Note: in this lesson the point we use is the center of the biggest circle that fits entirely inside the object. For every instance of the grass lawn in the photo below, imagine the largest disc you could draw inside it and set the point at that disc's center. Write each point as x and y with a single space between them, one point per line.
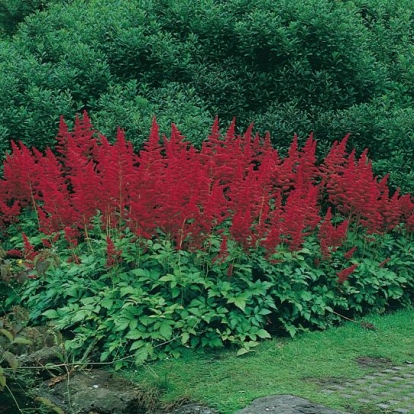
284 366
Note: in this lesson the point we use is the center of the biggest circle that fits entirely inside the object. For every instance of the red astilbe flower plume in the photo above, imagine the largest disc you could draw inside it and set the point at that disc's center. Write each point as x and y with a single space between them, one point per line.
29 252
352 188
384 262
286 173
300 216
221 156
148 185
348 255
299 167
117 169
56 211
308 160
71 236
82 142
336 162
390 210
185 187
21 177
223 251
8 214
113 255
86 192
407 212
244 167
344 274
331 237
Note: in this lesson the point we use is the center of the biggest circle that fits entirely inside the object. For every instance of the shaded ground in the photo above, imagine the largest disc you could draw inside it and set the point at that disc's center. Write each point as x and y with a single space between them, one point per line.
390 389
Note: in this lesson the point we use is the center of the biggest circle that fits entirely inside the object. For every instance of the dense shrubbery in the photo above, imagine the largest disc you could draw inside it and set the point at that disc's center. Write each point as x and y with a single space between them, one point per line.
322 66
225 244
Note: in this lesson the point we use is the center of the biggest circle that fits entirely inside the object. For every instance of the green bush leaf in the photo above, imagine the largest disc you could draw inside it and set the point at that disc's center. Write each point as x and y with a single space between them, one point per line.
51 314
166 330
261 333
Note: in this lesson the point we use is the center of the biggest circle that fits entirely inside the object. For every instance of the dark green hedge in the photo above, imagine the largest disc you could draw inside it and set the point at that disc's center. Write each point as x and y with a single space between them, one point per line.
326 66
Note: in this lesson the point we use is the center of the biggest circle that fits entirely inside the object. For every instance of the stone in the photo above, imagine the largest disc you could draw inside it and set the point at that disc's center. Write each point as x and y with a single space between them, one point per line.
192 408
97 391
41 357
285 404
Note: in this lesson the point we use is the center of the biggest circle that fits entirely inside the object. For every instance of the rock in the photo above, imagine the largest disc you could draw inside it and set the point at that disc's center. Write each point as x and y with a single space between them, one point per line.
96 392
41 357
192 408
285 404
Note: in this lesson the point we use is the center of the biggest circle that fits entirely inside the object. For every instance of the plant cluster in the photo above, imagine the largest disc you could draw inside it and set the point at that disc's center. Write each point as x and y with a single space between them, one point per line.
17 339
175 246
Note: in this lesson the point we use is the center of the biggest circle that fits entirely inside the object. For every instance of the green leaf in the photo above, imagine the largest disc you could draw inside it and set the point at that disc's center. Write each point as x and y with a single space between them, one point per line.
137 345
22 341
2 379
168 278
261 333
140 272
107 303
127 290
306 296
88 301
118 365
185 337
243 351
11 360
166 330
7 334
134 334
51 314
264 312
81 315
141 356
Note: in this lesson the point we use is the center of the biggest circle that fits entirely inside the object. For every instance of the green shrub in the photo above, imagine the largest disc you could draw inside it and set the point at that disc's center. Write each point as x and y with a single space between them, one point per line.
13 12
134 106
322 66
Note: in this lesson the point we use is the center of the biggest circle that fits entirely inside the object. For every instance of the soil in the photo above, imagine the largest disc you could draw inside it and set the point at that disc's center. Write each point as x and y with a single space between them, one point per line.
373 362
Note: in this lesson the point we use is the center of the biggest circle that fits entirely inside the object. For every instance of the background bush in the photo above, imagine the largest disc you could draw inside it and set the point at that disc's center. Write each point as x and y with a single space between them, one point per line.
331 67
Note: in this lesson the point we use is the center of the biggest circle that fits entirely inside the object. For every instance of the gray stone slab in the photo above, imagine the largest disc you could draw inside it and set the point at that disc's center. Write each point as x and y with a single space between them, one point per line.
385 406
285 404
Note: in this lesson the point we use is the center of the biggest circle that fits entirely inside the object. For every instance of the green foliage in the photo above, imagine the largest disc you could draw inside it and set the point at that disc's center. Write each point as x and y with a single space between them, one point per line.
133 106
13 12
331 67
17 338
157 301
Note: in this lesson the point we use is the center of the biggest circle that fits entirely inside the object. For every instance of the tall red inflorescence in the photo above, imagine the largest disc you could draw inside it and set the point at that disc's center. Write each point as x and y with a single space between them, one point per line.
235 184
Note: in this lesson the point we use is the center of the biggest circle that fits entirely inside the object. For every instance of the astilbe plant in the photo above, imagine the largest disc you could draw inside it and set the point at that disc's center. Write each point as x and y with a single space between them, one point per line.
237 184
224 243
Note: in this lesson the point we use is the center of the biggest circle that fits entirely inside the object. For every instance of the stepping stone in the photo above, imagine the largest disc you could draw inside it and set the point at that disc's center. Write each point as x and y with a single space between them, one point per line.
285 404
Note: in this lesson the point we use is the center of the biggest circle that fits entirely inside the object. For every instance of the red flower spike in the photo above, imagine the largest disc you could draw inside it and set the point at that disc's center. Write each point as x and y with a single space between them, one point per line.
29 252
384 262
348 255
14 253
344 274
113 256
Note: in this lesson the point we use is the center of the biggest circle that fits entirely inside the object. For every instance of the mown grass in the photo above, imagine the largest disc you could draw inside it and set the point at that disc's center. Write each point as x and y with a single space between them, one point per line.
283 366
